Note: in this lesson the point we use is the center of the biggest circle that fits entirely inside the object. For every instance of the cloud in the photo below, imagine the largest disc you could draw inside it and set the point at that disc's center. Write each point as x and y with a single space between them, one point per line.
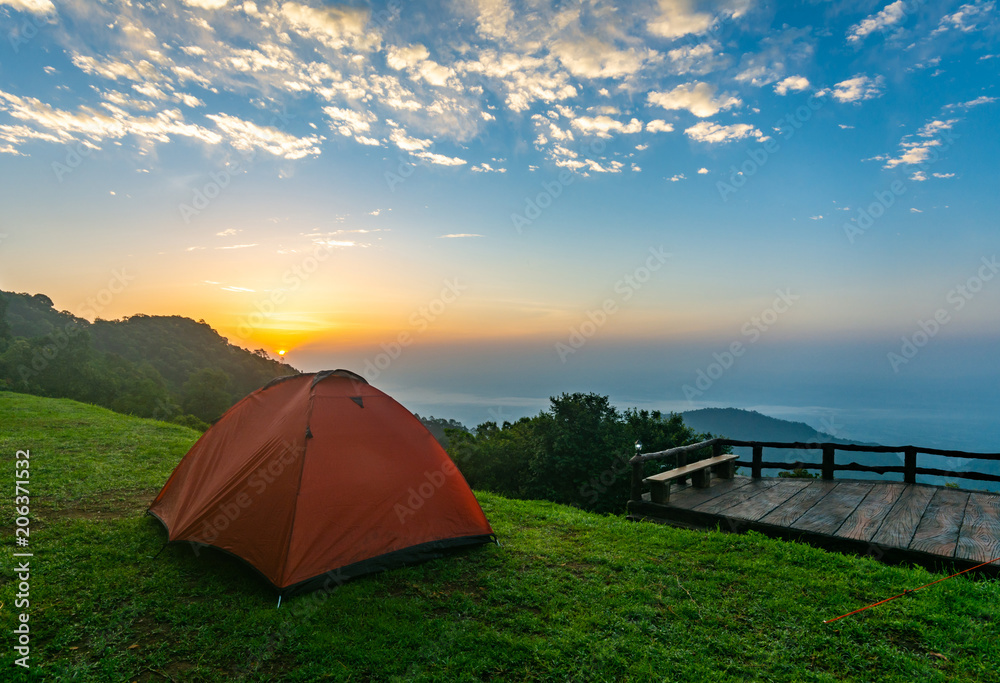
932 128
246 136
458 235
676 18
707 131
943 175
440 159
967 18
697 98
604 126
859 88
591 57
335 27
227 233
983 99
676 178
659 126
206 4
816 218
702 171
889 16
39 7
796 83
696 59
487 168
913 210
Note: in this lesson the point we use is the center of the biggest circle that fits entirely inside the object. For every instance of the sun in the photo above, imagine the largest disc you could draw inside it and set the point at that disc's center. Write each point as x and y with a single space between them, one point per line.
281 352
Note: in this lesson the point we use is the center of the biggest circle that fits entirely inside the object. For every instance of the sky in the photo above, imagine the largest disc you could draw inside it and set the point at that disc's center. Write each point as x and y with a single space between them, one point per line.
481 204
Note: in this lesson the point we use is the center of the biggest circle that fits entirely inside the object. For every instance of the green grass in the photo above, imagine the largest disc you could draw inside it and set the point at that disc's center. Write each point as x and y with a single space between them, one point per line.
569 595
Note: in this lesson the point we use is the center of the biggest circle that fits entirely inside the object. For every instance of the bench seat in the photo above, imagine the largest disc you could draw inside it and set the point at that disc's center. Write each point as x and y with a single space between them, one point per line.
659 484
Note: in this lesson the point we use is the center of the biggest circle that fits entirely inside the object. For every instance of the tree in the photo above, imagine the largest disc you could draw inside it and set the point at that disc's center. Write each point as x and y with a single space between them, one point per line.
576 453
205 395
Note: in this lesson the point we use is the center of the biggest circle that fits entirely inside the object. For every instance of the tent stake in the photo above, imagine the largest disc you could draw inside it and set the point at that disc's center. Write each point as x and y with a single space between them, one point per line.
279 601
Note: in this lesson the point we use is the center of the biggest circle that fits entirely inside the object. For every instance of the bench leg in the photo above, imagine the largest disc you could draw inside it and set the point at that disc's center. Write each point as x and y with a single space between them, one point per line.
726 470
700 478
659 492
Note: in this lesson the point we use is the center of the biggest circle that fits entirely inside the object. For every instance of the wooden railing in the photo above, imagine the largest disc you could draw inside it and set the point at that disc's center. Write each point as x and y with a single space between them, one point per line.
827 467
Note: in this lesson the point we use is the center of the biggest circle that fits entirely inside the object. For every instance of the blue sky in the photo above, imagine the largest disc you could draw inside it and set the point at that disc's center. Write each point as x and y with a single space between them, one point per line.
488 178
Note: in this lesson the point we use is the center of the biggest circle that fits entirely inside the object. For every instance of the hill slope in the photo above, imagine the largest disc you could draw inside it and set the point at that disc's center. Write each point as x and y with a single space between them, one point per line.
152 366
569 596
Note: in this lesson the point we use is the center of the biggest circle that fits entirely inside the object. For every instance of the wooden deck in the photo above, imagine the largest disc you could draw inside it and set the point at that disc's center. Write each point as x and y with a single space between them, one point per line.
894 522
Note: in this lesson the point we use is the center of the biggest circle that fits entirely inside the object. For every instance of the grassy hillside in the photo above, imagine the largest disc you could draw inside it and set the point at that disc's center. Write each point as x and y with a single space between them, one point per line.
569 596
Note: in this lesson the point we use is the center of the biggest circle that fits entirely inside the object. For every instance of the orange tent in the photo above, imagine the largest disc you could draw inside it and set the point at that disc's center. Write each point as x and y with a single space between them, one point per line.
317 478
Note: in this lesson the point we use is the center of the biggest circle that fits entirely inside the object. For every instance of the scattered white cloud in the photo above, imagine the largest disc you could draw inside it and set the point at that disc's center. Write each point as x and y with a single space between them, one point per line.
206 4
707 131
39 7
968 18
247 136
702 171
859 88
844 126
658 126
816 218
919 176
914 210
239 246
983 99
604 126
487 168
458 235
676 178
943 175
890 15
677 18
697 98
792 83
227 233
440 159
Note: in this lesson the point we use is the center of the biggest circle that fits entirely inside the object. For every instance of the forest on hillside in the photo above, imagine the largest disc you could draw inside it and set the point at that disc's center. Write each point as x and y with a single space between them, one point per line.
166 367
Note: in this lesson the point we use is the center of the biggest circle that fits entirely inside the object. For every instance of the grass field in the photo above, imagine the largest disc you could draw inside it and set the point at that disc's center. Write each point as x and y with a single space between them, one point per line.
568 596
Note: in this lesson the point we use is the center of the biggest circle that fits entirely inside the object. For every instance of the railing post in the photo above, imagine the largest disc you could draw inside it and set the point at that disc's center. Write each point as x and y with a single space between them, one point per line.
636 494
716 449
910 465
758 458
828 456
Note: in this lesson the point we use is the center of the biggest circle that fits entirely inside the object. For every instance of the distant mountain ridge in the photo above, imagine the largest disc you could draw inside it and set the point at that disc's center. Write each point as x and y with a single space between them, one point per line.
749 425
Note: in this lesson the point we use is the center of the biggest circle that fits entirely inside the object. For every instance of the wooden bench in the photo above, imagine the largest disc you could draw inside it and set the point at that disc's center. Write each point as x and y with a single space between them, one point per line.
700 472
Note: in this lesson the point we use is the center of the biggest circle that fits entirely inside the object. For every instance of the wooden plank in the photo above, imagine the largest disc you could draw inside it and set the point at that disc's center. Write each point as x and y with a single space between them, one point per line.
740 495
690 497
864 522
799 504
979 539
901 523
688 469
829 514
939 527
760 505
